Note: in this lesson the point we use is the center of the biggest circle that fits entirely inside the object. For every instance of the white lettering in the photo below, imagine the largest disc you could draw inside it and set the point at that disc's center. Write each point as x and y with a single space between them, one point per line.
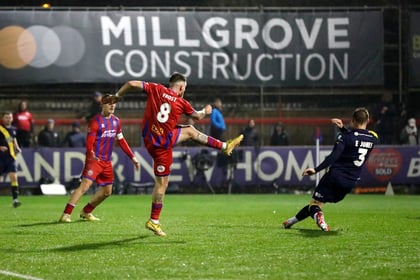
200 62
270 156
146 164
248 67
334 33
169 97
182 35
44 165
237 67
222 34
343 68
164 66
122 28
241 35
293 167
109 133
267 31
414 168
246 165
247 32
23 170
69 160
141 27
283 58
220 63
258 67
130 63
309 65
309 38
108 63
157 35
364 144
177 59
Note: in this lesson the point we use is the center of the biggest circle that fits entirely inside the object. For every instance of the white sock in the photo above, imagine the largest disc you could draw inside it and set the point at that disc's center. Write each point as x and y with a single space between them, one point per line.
293 220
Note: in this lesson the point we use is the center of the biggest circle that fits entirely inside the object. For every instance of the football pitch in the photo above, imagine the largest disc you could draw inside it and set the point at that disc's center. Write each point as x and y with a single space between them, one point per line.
212 237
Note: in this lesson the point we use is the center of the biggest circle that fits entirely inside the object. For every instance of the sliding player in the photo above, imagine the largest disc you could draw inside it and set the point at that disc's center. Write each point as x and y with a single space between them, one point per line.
351 150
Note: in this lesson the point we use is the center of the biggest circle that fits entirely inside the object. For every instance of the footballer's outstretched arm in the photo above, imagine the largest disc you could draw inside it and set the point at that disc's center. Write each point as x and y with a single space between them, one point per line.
338 122
198 115
340 125
130 85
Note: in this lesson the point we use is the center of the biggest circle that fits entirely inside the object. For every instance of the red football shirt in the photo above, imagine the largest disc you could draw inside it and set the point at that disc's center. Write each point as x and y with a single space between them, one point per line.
104 130
163 111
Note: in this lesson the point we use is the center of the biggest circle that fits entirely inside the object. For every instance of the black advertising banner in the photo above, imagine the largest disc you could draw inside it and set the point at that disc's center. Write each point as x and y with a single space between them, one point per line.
280 49
414 50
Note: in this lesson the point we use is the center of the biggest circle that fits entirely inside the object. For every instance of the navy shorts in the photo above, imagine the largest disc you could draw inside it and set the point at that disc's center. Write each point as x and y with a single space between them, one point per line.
7 165
333 188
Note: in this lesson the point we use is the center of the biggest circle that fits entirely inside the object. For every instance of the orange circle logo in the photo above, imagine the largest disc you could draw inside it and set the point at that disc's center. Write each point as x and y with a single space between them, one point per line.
40 46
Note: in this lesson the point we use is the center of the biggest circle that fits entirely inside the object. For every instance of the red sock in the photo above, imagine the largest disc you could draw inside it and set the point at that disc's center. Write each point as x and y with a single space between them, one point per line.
155 212
69 208
88 208
214 143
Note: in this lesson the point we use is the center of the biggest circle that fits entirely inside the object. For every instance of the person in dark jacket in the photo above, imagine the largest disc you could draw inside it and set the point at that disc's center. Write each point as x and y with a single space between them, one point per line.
49 137
74 138
251 136
279 137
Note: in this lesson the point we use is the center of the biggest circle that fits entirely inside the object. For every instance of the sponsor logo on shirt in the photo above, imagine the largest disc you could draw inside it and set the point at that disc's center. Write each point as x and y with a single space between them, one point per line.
109 133
157 130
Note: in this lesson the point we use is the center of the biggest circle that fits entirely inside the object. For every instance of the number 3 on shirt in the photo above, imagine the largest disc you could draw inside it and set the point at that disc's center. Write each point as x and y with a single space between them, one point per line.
362 157
163 115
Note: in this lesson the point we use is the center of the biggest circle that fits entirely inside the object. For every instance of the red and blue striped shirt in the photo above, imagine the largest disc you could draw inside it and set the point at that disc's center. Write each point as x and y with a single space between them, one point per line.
103 132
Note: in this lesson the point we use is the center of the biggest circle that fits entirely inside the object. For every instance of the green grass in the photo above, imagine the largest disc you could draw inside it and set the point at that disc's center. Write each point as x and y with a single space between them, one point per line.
213 237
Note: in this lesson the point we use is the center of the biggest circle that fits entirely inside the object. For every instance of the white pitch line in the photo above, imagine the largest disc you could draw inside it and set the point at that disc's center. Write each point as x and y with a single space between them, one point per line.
27 277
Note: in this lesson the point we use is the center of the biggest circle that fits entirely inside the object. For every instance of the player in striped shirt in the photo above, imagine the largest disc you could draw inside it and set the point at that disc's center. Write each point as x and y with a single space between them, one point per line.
160 131
103 129
350 152
9 148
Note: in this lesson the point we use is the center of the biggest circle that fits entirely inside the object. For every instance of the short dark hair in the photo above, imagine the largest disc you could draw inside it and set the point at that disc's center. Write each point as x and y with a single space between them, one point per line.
176 77
109 99
360 115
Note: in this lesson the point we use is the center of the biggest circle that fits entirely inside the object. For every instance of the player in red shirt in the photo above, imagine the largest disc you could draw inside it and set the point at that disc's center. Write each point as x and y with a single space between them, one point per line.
103 129
165 106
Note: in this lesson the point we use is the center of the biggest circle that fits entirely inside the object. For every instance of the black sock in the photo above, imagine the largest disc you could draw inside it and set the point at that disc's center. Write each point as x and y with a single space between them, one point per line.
313 209
303 213
15 192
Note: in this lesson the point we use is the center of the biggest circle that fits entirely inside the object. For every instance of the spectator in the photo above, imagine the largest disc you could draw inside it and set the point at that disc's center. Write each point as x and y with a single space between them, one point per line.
279 136
384 116
48 137
95 106
409 134
24 123
251 136
74 138
217 121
